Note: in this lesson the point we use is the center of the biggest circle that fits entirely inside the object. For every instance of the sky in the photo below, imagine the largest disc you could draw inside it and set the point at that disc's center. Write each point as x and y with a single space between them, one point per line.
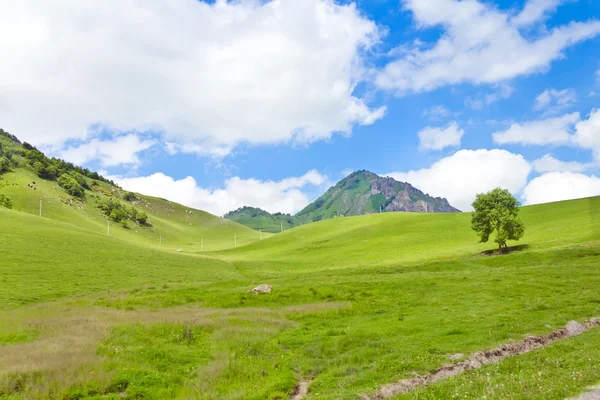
221 104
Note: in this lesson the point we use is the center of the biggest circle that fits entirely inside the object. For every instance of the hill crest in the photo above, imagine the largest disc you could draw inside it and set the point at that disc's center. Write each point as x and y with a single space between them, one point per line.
361 192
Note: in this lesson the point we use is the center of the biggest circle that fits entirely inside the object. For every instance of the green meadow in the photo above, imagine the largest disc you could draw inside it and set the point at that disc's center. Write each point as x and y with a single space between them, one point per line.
357 302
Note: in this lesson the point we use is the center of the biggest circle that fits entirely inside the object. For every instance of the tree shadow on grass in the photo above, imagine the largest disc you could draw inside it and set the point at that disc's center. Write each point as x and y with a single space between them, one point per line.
508 250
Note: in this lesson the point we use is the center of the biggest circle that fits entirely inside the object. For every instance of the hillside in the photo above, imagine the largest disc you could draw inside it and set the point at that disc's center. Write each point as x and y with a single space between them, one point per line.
258 219
357 303
360 193
364 192
88 200
397 238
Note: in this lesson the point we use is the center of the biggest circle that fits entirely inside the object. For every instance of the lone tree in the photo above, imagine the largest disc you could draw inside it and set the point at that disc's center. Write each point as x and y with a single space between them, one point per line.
498 211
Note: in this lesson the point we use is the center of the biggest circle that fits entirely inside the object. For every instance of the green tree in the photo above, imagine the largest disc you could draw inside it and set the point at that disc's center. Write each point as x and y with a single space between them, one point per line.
497 211
69 183
80 179
117 214
5 201
141 217
4 164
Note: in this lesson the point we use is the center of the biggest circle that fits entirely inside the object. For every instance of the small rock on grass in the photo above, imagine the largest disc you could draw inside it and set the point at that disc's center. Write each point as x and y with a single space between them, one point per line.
262 289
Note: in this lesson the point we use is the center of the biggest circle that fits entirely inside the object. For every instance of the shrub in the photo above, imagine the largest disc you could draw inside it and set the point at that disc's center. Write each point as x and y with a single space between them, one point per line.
5 201
119 212
130 196
80 179
69 183
4 164
141 218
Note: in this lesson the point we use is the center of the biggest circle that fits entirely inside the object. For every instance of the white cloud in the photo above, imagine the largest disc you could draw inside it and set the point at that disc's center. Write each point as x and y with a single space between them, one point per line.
587 133
553 101
557 186
481 44
210 76
551 131
535 10
466 173
550 164
432 138
110 152
478 102
286 195
566 130
436 112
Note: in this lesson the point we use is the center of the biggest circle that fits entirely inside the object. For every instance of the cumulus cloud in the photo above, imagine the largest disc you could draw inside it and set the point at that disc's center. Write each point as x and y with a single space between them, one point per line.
553 101
587 133
480 44
558 186
432 138
568 129
548 163
467 172
207 76
551 131
110 152
535 10
286 195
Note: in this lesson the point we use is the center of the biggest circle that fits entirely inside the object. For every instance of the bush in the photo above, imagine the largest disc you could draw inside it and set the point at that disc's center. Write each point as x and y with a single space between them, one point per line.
5 201
69 183
141 218
80 179
130 196
119 212
4 164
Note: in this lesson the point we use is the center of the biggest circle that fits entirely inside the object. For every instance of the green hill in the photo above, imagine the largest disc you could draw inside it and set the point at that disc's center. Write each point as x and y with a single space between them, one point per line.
393 238
360 193
258 219
31 177
363 192
357 302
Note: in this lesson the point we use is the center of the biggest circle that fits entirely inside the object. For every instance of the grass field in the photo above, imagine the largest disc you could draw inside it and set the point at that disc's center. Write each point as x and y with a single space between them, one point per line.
357 303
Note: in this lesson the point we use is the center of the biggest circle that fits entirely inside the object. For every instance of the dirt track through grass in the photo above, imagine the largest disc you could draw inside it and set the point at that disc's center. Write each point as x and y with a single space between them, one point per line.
486 357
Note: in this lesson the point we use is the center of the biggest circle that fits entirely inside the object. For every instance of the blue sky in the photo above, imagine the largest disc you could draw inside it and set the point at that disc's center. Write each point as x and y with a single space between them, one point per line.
222 104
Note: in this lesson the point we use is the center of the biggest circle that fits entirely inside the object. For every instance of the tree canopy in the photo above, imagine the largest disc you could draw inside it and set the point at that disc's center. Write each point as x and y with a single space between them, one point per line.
497 211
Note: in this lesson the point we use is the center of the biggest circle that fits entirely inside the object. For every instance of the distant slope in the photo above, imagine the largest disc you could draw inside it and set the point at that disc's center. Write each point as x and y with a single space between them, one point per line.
180 227
396 238
258 219
364 192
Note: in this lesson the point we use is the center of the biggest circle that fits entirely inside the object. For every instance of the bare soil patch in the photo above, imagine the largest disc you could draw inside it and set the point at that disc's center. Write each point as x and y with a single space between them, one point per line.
300 391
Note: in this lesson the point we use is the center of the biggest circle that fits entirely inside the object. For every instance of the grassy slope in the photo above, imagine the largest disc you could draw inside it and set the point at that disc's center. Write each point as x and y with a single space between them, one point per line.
264 221
381 319
392 238
182 227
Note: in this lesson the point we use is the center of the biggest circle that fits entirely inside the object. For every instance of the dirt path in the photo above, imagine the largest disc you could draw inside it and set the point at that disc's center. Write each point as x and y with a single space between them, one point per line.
481 358
301 390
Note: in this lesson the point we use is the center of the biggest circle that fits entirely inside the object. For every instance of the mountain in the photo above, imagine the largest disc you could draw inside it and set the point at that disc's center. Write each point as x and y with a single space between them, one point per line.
361 192
364 192
258 219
